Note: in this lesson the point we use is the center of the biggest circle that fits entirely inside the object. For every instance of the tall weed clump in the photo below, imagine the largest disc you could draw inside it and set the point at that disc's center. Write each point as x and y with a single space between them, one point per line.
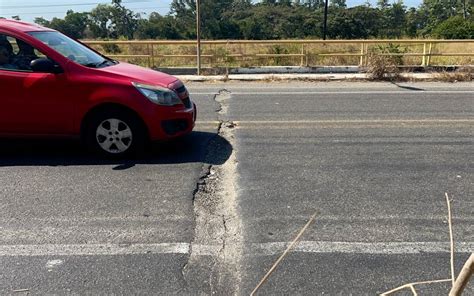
383 62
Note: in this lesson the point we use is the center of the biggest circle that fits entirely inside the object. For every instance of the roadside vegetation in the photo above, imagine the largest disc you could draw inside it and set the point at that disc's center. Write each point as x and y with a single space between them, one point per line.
272 19
257 55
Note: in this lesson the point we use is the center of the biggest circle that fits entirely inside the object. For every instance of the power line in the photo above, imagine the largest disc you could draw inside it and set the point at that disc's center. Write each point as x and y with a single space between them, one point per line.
48 12
69 4
54 13
64 12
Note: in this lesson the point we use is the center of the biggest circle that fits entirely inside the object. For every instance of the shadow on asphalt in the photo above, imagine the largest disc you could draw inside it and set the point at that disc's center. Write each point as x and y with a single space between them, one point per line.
201 147
408 87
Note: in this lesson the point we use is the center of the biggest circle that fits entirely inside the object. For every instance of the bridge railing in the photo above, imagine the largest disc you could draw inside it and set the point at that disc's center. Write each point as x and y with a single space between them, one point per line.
255 53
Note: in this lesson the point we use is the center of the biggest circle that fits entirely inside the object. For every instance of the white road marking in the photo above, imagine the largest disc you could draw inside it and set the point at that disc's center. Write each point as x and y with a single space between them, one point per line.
263 249
53 263
375 123
93 249
381 92
357 121
346 121
380 248
205 250
213 123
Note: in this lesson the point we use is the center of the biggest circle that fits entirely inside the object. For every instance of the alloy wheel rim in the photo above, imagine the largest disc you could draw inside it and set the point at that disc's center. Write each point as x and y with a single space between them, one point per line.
114 136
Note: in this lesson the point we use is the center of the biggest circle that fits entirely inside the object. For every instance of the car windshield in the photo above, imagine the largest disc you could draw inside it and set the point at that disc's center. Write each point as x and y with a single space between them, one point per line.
72 49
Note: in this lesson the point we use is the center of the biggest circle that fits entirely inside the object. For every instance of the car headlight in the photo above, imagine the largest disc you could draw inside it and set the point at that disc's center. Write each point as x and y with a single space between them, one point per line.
158 95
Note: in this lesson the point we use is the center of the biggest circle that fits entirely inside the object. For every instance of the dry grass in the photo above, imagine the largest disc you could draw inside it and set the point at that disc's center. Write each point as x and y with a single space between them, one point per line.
246 55
461 74
382 67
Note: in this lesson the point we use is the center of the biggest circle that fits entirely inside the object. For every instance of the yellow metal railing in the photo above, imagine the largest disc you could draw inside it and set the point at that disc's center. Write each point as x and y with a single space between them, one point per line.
225 53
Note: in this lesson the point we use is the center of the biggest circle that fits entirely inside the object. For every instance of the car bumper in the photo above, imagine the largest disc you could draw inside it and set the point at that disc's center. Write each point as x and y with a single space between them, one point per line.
173 124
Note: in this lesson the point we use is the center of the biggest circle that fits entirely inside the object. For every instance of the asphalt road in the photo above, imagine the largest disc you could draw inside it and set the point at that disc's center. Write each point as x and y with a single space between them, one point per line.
211 213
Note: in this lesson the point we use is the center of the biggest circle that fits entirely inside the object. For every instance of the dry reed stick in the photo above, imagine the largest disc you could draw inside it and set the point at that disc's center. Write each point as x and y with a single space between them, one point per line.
451 239
413 284
463 277
267 275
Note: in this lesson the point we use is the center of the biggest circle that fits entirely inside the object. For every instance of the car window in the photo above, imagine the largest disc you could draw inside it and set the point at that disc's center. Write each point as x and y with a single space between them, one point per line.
16 55
6 53
13 43
72 49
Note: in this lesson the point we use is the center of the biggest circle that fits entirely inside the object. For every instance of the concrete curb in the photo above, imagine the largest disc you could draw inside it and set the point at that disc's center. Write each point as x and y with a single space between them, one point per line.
265 70
315 77
297 70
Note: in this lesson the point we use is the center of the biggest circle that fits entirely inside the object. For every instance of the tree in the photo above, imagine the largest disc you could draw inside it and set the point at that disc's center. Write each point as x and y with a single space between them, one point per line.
113 21
42 22
396 16
215 22
313 4
339 3
356 22
73 25
415 21
77 23
125 20
383 4
158 27
436 11
455 27
101 22
270 19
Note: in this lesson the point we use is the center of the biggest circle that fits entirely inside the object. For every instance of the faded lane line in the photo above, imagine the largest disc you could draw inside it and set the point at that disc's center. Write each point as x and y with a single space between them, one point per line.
381 248
208 122
355 121
344 121
263 249
417 92
41 222
378 123
206 125
347 124
93 249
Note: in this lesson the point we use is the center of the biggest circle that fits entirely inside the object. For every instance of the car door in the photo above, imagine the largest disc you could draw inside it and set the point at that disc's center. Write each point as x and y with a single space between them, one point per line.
33 103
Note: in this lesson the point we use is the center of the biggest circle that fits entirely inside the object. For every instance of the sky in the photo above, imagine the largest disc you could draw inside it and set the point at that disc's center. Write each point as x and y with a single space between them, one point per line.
29 9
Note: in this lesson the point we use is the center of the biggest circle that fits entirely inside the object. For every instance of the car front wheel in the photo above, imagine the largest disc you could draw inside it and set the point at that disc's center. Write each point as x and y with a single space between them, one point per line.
115 134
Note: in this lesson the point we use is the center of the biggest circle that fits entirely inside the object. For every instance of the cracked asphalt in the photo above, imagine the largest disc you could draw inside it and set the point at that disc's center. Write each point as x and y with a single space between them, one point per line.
209 214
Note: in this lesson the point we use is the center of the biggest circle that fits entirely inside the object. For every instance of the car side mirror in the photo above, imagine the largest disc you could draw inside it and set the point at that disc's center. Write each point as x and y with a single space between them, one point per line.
45 66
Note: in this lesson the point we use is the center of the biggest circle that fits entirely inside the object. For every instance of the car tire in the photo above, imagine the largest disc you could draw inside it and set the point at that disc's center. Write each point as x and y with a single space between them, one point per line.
115 133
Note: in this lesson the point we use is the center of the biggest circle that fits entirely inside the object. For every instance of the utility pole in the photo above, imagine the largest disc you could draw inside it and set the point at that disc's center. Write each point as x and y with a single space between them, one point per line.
198 36
325 25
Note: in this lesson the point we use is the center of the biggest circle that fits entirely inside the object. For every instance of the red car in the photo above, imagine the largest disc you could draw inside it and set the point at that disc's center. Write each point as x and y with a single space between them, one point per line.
54 86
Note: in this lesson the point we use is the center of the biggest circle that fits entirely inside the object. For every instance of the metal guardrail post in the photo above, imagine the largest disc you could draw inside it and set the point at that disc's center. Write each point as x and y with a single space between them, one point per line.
149 58
152 53
428 61
423 62
366 54
302 55
228 54
361 62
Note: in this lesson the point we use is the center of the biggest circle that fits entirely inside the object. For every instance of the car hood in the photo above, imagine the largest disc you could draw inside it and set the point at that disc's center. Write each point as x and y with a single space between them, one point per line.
140 74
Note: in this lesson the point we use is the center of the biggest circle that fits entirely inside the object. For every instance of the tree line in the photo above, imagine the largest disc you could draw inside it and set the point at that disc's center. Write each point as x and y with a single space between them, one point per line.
272 19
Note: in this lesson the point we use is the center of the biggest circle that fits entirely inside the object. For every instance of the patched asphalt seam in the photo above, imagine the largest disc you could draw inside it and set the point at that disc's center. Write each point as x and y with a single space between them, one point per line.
216 217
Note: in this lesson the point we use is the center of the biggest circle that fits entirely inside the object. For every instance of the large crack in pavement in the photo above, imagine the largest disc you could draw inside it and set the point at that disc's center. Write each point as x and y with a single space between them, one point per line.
213 267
